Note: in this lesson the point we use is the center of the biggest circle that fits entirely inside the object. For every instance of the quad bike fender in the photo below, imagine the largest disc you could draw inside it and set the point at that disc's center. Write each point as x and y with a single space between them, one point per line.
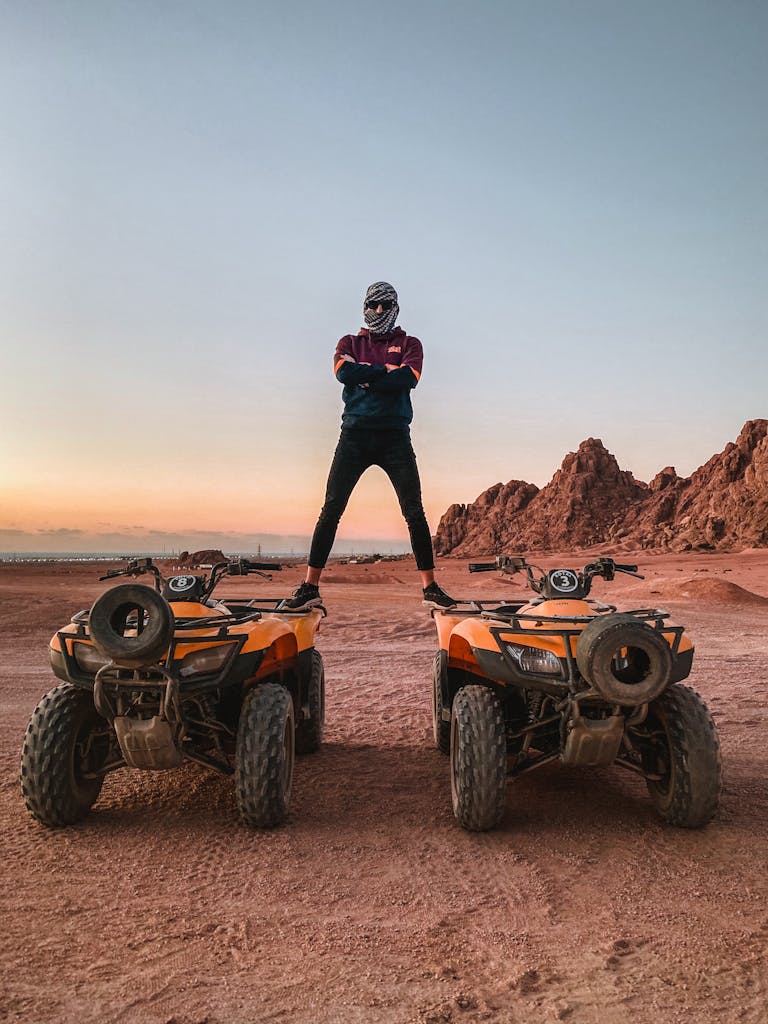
684 645
270 629
469 640
255 636
61 655
304 627
259 635
445 623
57 652
277 641
54 645
682 660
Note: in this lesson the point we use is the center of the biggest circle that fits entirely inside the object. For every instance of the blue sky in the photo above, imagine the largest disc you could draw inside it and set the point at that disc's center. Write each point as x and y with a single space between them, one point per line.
569 197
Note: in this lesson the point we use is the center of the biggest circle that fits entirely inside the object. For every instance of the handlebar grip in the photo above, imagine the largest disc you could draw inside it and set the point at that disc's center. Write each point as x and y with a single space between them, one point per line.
482 566
625 568
262 566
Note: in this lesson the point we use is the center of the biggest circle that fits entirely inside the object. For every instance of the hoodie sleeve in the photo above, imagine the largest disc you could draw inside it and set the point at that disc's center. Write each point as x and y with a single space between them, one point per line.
408 374
353 373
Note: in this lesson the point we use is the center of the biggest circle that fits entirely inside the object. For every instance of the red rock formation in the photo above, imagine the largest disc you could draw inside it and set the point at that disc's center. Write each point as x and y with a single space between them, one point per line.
210 556
582 503
590 500
722 506
482 526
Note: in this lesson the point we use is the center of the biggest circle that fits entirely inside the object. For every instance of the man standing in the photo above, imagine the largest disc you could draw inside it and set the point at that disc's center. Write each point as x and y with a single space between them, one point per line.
378 367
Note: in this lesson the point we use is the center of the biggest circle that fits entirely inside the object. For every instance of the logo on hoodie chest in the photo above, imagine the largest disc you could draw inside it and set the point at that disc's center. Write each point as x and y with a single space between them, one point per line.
394 348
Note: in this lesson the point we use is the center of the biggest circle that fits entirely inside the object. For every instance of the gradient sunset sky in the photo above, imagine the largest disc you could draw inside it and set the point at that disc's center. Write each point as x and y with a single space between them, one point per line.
570 197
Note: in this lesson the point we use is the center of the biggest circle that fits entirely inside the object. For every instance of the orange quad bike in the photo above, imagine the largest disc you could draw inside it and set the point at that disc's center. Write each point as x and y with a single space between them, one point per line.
156 676
518 684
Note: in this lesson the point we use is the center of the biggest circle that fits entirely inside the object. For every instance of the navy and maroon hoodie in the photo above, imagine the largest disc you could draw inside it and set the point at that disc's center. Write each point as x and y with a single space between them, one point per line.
374 397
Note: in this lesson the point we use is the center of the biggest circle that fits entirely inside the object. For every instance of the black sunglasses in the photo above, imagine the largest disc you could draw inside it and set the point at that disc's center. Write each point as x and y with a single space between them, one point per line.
386 304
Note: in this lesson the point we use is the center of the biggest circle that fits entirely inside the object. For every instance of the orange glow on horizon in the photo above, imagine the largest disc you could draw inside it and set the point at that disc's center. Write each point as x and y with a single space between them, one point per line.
372 512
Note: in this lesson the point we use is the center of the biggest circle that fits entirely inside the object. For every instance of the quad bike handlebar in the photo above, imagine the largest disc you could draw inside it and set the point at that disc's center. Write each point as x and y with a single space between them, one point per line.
557 583
242 566
236 567
508 564
136 567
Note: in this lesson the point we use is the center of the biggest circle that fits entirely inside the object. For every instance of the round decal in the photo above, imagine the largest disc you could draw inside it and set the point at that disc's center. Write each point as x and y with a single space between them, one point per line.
564 580
178 583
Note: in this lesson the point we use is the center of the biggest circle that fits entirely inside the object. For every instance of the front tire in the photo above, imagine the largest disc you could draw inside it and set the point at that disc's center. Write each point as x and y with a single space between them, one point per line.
264 756
60 748
440 730
687 755
478 758
309 731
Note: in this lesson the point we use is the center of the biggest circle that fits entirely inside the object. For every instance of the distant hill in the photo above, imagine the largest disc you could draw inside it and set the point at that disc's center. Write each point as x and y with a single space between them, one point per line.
590 500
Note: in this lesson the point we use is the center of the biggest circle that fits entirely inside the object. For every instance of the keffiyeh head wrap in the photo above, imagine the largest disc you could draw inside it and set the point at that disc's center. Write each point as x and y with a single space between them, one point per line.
380 323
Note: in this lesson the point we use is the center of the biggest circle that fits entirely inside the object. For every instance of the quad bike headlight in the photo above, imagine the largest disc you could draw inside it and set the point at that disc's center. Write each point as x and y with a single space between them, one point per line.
207 661
532 659
88 658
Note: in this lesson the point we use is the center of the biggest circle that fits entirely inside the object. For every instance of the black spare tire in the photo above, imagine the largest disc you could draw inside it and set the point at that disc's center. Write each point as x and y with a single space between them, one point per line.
131 624
627 661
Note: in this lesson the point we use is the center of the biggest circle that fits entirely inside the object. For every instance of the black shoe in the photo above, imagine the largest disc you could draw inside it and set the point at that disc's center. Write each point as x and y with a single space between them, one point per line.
305 596
435 596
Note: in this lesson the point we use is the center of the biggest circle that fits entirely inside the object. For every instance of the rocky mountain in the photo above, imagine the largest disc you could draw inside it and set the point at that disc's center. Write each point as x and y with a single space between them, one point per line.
591 500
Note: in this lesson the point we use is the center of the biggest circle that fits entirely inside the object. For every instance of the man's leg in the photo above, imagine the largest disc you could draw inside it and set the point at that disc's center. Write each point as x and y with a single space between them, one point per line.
398 460
349 463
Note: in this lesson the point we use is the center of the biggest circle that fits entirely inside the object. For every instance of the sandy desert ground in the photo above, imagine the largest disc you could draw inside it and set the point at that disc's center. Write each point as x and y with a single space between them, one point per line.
371 904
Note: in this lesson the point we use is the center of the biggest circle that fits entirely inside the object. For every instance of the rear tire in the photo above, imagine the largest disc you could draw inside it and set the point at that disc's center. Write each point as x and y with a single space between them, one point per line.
478 758
309 731
57 752
264 756
440 730
689 794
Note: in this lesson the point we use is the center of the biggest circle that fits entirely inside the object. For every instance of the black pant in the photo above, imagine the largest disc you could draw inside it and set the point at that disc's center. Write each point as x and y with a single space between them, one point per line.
359 448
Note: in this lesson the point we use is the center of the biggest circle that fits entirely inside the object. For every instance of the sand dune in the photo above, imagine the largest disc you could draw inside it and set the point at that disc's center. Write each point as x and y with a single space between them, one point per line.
712 591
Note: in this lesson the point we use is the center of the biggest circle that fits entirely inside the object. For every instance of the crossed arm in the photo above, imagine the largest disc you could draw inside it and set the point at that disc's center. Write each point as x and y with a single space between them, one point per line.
383 378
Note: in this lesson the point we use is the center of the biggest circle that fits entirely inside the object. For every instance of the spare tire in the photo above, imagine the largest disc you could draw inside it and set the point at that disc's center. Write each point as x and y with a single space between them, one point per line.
627 661
131 609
